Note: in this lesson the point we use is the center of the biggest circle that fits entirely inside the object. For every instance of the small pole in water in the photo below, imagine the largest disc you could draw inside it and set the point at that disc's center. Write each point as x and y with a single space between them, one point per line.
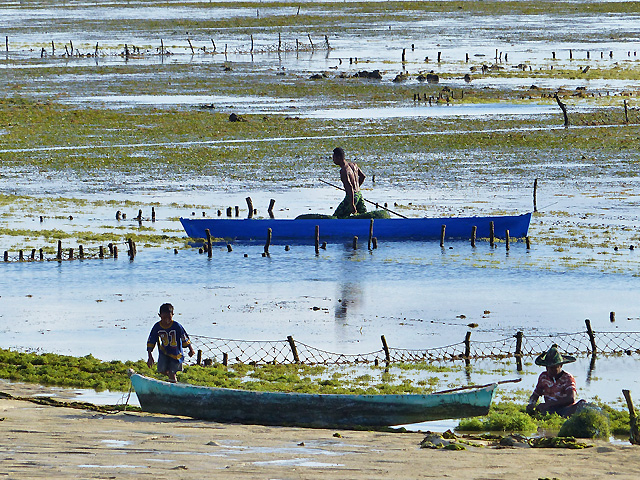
317 239
374 242
237 208
71 254
612 317
115 251
6 256
294 350
474 231
100 252
385 347
272 202
506 239
20 256
370 234
592 337
442 233
518 353
33 254
492 236
229 212
80 251
41 252
153 214
59 254
132 252
249 206
355 242
208 233
229 247
535 195
528 240
268 242
467 348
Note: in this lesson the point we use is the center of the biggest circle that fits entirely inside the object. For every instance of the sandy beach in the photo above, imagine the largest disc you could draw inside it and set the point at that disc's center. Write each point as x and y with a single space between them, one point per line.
59 442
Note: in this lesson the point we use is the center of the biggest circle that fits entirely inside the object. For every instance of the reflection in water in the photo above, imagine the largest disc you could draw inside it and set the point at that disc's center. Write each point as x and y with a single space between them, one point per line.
350 297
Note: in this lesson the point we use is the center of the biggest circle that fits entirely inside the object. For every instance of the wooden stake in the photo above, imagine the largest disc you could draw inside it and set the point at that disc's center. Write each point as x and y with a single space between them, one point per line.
237 208
115 251
153 214
592 337
506 239
535 195
208 233
474 231
225 359
370 234
80 251
101 252
59 254
563 107
442 233
492 236
634 434
355 242
294 350
528 240
20 256
612 317
249 206
268 242
385 347
317 239
270 209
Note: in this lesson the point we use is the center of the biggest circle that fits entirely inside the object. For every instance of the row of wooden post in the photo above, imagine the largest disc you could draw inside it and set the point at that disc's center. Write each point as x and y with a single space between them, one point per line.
71 253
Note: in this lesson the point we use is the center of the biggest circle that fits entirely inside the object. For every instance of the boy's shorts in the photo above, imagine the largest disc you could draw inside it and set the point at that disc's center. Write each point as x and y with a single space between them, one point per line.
168 364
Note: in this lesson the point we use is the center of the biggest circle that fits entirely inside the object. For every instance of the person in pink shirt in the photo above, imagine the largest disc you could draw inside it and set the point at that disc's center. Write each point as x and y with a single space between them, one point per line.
556 386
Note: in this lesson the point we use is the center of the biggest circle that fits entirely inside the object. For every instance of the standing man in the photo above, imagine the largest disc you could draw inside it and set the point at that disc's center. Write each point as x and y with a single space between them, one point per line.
352 177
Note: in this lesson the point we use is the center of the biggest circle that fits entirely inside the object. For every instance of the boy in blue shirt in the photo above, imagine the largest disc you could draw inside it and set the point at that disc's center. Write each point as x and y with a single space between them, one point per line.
171 337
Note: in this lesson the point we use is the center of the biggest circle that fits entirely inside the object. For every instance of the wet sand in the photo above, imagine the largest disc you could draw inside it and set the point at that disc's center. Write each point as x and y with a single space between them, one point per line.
58 442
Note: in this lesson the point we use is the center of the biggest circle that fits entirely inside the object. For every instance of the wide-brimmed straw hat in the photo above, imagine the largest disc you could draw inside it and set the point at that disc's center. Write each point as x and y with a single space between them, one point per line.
553 357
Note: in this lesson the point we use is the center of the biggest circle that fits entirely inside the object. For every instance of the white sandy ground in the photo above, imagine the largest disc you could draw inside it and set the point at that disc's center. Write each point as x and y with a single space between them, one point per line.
58 442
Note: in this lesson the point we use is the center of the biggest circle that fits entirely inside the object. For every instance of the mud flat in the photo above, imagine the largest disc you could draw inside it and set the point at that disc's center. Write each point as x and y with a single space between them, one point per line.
56 442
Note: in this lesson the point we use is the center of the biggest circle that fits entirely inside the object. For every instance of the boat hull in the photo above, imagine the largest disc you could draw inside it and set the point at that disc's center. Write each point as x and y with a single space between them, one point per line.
302 231
307 410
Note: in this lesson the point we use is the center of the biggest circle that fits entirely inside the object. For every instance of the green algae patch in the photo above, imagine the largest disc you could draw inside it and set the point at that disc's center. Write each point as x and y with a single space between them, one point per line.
509 417
67 371
587 423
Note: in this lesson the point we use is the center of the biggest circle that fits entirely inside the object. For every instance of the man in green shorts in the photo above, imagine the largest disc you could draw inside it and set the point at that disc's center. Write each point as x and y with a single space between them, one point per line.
352 177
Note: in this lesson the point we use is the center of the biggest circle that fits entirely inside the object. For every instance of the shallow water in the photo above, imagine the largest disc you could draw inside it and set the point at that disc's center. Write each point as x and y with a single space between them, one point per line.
413 293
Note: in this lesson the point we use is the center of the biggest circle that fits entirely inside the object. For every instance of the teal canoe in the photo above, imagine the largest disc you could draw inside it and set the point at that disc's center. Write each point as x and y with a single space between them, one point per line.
307 410
302 230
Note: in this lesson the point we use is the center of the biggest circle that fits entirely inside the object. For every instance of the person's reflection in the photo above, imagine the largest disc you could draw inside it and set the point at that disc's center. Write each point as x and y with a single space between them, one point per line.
350 297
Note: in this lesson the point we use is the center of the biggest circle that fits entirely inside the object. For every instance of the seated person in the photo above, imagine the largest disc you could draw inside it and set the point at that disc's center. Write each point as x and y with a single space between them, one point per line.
557 386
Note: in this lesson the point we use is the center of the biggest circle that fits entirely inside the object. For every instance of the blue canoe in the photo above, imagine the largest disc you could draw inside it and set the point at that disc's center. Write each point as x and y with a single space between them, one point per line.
307 410
302 231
